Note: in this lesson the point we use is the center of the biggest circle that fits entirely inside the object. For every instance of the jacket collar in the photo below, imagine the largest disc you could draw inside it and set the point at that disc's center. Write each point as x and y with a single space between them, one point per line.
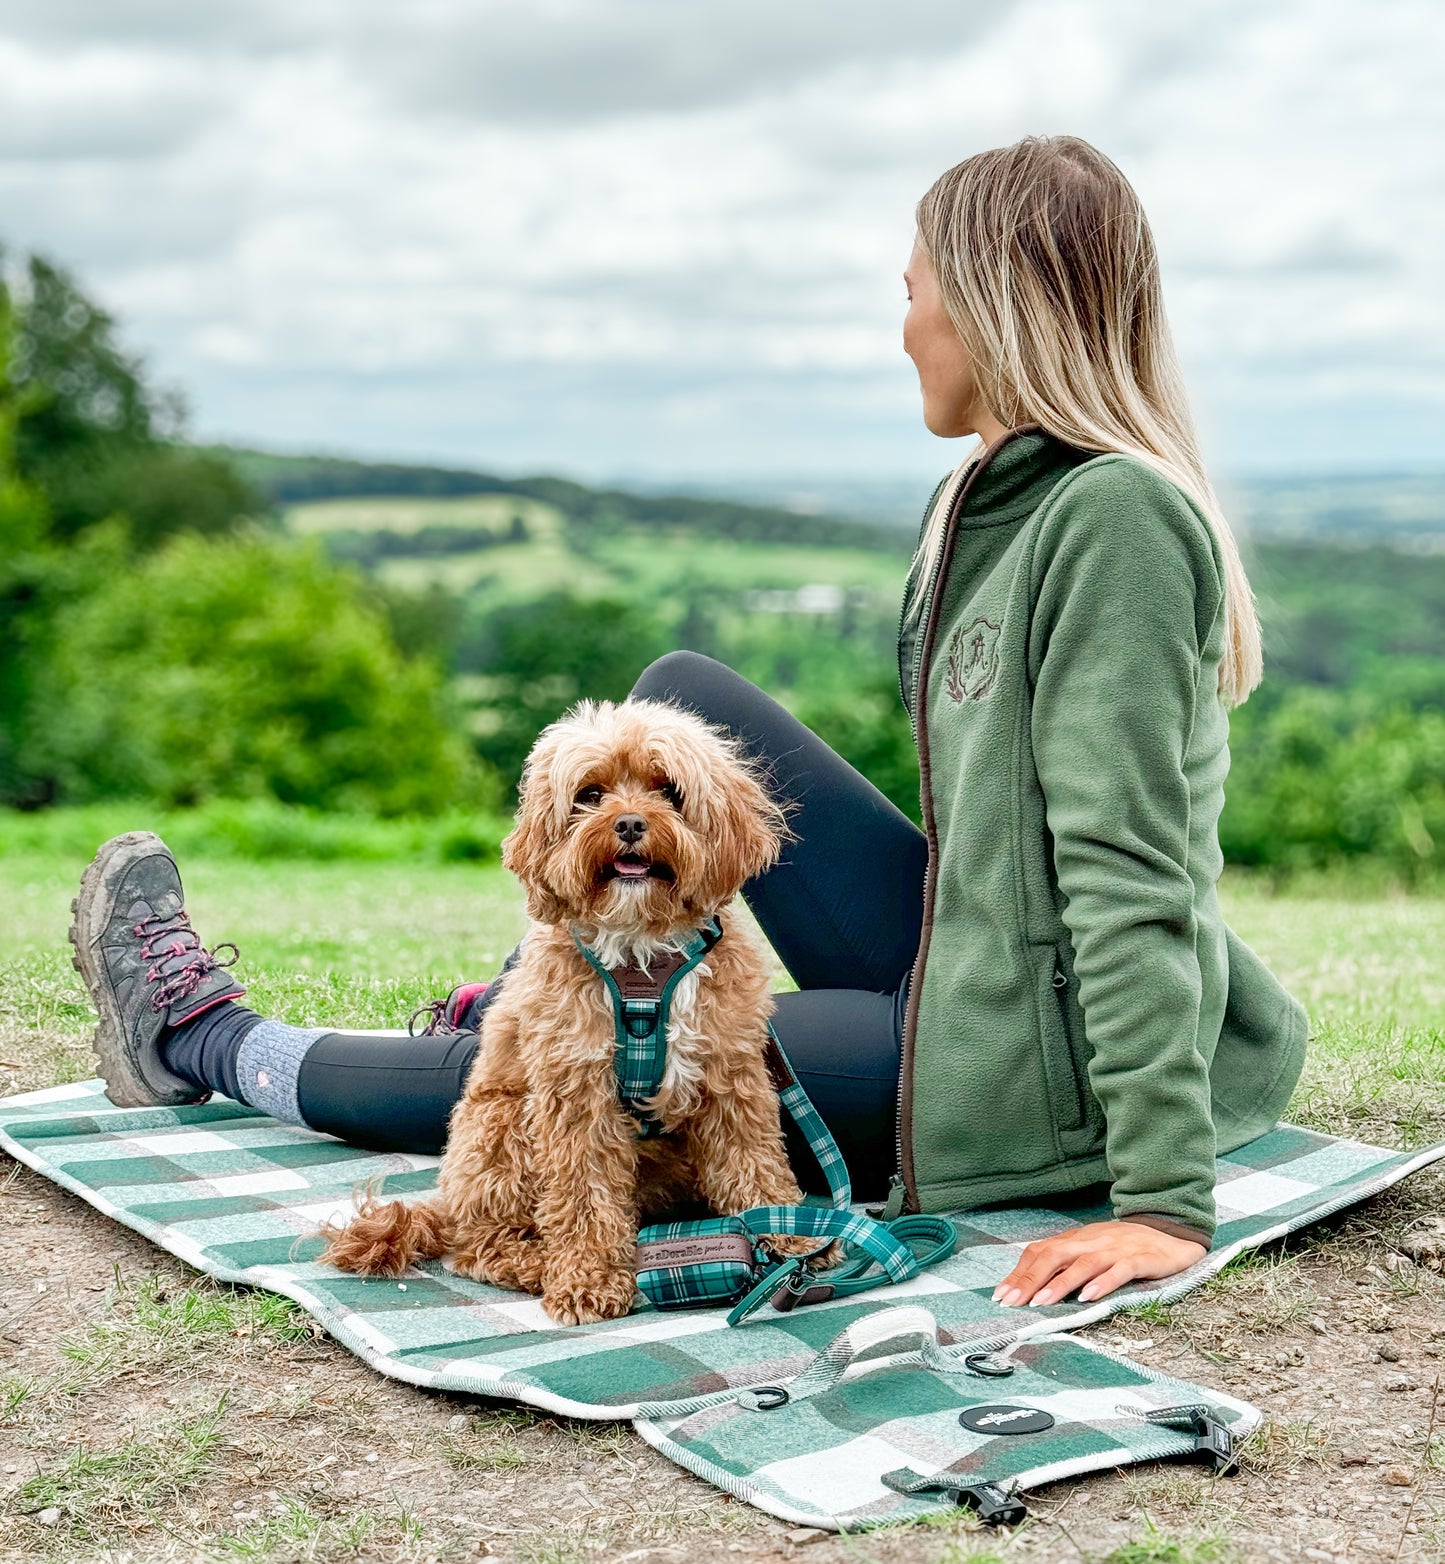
1015 473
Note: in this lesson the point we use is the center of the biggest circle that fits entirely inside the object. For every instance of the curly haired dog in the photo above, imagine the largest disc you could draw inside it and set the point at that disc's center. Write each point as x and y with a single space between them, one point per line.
638 823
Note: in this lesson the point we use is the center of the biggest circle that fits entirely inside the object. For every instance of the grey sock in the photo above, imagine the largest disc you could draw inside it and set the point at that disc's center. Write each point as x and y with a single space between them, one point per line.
268 1067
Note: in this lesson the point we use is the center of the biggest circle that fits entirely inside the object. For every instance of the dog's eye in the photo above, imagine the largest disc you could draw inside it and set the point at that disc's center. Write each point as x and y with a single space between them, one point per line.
587 797
671 792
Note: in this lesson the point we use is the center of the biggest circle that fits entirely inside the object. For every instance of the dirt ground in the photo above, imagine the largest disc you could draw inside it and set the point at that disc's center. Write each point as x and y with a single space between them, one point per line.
149 1414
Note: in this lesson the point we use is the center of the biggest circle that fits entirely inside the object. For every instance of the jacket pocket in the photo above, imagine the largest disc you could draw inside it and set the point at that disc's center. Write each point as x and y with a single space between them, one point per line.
1061 1057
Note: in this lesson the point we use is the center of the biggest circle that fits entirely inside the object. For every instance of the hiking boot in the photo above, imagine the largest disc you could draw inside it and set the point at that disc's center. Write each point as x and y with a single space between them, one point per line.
144 965
460 1011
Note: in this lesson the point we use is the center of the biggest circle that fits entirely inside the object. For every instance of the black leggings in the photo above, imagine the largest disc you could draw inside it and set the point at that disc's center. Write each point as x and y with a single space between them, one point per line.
843 909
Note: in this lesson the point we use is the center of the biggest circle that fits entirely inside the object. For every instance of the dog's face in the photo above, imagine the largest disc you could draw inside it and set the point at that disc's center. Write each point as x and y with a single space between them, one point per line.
637 817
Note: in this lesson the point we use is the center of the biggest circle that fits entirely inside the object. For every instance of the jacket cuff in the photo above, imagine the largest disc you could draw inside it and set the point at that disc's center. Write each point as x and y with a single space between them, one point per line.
1167 1224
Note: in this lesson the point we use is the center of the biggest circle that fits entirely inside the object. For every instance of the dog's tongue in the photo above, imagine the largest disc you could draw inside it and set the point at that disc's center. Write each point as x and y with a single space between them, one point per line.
629 868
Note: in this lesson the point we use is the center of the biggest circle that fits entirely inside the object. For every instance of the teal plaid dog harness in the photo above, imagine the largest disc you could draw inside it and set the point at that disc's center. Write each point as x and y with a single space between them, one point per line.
641 1003
688 1265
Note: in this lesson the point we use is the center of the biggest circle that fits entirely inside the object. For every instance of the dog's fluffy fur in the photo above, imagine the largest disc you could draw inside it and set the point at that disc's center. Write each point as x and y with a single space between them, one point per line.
544 1179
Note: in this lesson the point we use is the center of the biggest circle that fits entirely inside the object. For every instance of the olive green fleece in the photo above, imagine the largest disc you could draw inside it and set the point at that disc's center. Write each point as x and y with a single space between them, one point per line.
1080 1012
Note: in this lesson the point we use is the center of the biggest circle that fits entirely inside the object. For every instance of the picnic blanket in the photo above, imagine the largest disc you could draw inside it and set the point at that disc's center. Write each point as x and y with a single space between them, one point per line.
241 1196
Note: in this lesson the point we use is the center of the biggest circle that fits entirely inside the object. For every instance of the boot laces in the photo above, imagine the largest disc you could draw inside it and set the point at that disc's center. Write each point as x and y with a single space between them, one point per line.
436 1010
176 961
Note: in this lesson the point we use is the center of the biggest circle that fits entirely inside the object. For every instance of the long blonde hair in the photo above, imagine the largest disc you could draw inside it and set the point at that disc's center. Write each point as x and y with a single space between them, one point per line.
1049 275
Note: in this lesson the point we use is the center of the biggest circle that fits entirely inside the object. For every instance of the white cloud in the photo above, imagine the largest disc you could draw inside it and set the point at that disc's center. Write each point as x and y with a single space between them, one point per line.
636 236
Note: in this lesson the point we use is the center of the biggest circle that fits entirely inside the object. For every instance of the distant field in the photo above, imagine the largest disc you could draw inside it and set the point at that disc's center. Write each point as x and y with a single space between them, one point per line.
404 514
612 563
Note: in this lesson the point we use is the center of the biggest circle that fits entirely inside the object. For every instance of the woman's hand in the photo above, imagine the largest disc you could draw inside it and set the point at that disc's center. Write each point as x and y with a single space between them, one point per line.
1095 1258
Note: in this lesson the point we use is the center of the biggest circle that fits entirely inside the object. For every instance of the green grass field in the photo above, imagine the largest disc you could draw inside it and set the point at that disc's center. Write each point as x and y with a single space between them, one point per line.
364 944
627 563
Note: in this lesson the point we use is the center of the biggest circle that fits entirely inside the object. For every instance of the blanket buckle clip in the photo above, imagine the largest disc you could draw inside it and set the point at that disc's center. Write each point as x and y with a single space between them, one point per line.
993 1505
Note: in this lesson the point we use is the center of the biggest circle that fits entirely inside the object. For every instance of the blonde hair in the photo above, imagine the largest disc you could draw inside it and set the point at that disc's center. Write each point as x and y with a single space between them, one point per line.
1048 272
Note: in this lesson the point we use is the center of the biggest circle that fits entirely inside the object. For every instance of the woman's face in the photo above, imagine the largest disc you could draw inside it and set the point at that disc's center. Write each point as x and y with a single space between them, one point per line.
945 372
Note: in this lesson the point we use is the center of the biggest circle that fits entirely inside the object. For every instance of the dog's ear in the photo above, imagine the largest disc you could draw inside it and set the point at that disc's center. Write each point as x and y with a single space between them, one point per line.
537 831
749 829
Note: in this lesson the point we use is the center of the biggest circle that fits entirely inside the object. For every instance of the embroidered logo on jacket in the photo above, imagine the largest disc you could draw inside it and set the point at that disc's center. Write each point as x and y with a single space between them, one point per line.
973 661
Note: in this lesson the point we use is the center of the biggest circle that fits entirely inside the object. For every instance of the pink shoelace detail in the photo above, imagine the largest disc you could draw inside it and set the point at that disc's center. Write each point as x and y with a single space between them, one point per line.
182 981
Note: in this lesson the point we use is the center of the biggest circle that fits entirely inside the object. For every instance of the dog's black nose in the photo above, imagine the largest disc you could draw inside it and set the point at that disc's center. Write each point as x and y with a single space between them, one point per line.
631 828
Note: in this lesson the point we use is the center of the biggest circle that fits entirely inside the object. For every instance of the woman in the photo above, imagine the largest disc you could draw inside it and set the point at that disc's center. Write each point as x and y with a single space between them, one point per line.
1036 996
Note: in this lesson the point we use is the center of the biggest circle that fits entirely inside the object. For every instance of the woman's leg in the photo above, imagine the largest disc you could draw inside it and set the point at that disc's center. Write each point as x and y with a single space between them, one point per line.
390 1091
844 907
843 910
386 1090
844 1046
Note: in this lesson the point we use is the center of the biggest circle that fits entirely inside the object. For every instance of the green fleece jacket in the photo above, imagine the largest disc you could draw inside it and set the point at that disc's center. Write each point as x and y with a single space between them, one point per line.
1078 1011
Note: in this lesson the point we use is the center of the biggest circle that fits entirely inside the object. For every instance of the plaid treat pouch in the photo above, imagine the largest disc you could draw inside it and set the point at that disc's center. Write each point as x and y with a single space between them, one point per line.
691 1265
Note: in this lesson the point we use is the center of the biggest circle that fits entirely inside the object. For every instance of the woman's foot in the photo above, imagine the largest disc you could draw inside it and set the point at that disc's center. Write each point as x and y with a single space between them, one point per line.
144 965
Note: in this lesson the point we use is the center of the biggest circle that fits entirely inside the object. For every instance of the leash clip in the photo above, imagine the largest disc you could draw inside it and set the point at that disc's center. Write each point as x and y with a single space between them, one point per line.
800 1286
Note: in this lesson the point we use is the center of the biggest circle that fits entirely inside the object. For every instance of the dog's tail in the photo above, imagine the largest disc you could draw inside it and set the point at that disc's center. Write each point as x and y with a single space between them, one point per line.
386 1236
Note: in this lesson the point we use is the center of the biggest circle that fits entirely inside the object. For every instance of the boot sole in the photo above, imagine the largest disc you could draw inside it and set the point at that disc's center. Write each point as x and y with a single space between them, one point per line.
91 911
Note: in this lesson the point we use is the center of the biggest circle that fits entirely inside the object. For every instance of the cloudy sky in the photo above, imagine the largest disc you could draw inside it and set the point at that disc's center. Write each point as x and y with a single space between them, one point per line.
646 238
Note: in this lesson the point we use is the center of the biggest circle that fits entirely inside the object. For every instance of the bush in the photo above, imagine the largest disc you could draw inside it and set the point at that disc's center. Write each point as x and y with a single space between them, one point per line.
870 729
248 667
1321 777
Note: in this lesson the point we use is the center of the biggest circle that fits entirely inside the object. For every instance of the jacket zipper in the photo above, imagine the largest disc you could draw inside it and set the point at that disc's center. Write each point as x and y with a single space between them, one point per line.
907 599
904 1180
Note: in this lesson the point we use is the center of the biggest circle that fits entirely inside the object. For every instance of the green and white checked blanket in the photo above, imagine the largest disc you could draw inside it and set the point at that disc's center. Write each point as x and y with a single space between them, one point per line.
858 1442
242 1196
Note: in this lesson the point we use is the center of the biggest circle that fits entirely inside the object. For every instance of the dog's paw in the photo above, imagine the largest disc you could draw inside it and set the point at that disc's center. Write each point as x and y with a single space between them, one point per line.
588 1299
503 1258
519 1264
783 1248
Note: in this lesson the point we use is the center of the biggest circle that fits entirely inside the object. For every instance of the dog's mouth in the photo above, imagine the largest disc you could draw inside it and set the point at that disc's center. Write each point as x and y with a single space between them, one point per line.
636 869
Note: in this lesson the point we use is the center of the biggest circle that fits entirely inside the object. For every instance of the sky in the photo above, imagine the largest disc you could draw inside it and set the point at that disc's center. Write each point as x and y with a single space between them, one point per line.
663 241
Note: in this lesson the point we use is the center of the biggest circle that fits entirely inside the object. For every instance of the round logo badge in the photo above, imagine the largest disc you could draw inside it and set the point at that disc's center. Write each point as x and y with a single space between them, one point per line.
1006 1420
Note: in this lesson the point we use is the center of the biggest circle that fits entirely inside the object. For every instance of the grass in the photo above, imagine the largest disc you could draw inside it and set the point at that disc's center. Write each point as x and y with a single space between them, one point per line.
297 1532
130 1486
156 1325
1157 1547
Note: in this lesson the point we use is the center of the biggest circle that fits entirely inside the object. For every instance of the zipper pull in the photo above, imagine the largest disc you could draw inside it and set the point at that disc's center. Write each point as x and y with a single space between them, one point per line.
897 1194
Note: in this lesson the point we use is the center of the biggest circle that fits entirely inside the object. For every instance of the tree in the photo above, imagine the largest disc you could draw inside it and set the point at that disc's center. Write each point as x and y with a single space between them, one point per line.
248 667
94 437
539 658
26 569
